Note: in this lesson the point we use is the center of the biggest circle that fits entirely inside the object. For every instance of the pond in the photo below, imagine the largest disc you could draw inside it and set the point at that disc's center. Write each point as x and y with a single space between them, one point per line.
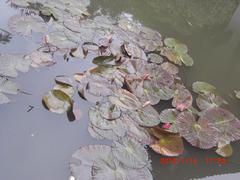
37 144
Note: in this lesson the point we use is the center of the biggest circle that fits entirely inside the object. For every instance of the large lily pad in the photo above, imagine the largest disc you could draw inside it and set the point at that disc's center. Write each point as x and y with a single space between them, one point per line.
226 123
201 133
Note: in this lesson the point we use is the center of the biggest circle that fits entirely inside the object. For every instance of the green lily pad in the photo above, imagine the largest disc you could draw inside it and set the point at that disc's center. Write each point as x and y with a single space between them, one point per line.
203 88
225 151
103 59
186 59
57 101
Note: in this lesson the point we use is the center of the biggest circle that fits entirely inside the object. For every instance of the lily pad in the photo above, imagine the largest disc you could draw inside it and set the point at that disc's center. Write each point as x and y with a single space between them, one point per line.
170 116
103 59
201 133
167 144
209 101
131 153
182 99
125 100
203 88
223 120
83 160
57 101
225 151
146 116
237 94
170 68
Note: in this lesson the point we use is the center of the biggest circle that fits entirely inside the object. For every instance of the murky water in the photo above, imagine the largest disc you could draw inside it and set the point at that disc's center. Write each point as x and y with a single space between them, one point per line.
37 145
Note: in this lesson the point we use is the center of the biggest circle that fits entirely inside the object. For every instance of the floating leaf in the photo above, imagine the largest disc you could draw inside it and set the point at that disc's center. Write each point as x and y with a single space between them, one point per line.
94 88
201 133
64 80
25 25
171 55
209 101
146 116
226 123
83 160
170 116
203 88
57 101
237 93
103 59
131 153
109 111
186 59
39 59
66 89
167 144
155 58
182 99
170 68
110 129
225 151
125 99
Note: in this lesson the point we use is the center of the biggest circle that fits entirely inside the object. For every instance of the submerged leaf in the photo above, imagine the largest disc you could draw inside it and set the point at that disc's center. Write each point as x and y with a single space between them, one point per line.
25 25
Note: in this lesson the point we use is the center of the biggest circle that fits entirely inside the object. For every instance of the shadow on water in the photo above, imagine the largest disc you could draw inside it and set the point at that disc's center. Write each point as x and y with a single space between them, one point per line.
37 145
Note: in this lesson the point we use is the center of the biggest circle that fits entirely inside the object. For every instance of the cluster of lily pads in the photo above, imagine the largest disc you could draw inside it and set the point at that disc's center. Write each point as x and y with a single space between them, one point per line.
134 70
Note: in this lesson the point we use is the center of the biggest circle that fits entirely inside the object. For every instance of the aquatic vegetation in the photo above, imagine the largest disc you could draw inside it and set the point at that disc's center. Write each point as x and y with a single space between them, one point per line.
237 93
134 69
5 36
